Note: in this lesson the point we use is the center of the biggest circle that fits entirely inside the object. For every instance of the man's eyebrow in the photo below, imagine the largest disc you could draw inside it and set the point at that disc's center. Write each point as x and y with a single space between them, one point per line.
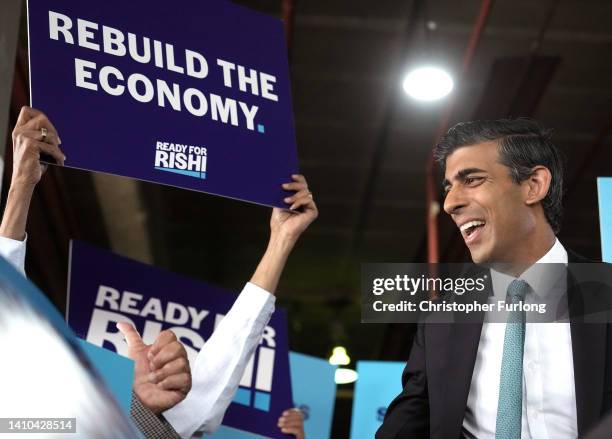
461 175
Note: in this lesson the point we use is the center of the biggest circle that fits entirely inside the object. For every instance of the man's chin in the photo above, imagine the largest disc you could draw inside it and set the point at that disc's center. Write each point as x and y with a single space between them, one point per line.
479 256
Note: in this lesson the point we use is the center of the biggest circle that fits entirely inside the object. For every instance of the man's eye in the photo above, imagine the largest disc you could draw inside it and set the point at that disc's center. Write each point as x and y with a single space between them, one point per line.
471 180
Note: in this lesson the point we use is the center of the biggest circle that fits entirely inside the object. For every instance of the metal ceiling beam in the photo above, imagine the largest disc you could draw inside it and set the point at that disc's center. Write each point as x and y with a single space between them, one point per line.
432 187
413 25
445 28
288 11
411 28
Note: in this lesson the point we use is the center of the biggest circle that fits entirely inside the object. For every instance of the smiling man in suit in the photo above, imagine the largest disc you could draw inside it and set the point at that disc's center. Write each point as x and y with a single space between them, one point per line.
503 181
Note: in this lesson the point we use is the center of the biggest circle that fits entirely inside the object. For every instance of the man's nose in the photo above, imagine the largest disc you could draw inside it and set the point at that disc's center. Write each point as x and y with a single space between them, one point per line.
454 200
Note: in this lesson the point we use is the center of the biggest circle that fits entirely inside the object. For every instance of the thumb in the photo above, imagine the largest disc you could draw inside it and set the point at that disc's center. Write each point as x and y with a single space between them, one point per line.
131 335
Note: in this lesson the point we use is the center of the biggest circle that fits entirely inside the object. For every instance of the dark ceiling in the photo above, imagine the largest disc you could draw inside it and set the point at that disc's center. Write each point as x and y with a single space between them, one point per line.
363 146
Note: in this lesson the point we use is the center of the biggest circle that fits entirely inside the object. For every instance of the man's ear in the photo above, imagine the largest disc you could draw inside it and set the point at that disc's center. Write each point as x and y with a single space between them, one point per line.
537 185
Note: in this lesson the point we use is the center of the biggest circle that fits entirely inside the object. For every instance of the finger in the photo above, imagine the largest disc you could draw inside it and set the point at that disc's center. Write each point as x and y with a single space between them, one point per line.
299 177
290 419
175 367
26 114
294 430
295 414
180 382
39 121
292 413
291 422
299 194
42 147
53 151
51 137
298 186
168 353
164 338
132 337
305 201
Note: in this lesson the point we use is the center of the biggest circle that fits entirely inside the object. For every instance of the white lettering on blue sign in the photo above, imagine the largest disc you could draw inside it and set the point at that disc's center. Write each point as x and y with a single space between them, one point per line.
112 81
113 305
182 159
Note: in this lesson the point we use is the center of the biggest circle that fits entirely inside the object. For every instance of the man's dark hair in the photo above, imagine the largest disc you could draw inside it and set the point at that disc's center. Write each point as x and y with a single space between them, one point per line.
522 145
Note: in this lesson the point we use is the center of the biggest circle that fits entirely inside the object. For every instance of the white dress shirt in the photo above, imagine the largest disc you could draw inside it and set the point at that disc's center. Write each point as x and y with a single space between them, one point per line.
14 252
219 365
549 396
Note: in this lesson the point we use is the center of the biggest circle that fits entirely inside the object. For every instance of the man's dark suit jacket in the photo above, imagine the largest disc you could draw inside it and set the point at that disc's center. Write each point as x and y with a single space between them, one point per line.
437 377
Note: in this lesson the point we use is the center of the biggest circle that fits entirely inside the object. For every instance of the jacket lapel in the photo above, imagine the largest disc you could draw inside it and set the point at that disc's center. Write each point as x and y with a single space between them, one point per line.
463 342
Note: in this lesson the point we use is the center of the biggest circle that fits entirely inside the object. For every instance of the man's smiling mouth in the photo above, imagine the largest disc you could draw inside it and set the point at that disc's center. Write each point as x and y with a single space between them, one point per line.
471 230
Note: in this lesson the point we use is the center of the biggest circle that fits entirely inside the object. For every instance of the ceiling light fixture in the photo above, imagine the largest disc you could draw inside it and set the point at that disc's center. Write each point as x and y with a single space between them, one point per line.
428 83
339 357
345 376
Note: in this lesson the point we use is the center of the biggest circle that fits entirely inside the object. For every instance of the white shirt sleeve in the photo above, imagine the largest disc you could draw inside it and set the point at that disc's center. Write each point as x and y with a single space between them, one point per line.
221 362
14 251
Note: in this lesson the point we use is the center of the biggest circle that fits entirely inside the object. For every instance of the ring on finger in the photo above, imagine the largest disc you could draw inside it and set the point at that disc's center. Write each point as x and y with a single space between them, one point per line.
43 134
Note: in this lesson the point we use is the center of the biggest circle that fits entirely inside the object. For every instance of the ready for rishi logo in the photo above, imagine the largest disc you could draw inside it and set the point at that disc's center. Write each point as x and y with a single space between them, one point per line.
182 159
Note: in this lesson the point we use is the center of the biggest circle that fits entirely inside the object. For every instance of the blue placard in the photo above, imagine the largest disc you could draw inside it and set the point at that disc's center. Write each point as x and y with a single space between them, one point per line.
116 371
604 189
314 392
45 371
232 433
105 288
195 96
378 383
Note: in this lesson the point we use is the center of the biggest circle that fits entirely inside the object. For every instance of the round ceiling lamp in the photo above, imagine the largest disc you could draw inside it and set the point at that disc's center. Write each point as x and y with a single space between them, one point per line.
345 375
428 83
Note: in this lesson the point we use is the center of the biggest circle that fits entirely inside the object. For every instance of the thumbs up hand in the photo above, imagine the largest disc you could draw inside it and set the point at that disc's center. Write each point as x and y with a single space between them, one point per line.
162 377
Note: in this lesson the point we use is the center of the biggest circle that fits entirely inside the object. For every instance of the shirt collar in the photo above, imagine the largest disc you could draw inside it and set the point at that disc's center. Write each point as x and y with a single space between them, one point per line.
556 255
539 277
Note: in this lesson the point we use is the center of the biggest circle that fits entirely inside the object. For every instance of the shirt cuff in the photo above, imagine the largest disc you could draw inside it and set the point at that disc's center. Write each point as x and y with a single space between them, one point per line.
257 298
14 251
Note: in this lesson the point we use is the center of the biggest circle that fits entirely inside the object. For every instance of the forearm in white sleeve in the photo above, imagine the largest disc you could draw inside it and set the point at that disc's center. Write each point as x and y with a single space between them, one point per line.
14 251
220 364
